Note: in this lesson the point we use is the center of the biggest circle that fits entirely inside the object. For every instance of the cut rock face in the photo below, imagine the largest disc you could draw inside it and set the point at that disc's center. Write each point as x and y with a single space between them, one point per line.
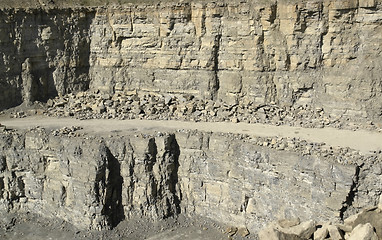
89 184
279 54
310 64
163 174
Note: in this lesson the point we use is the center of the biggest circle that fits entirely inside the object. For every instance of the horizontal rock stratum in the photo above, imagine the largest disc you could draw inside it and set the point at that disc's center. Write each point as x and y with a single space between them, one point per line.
232 72
96 173
326 54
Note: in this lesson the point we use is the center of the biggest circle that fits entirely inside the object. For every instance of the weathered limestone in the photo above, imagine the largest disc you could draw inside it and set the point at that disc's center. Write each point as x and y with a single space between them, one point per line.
309 63
265 52
321 233
41 56
133 105
96 181
364 225
363 232
29 87
82 181
303 230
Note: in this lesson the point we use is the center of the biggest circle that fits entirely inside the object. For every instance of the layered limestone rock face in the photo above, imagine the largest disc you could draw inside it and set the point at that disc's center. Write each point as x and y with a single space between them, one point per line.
44 53
96 181
321 53
325 54
230 59
88 181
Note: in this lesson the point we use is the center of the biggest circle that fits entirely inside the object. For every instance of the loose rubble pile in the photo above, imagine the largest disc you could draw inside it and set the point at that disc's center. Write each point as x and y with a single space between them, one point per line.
87 105
333 154
366 225
70 131
339 155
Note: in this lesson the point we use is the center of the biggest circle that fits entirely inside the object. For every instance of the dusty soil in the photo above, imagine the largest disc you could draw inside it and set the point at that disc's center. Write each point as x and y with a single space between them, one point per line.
361 140
33 227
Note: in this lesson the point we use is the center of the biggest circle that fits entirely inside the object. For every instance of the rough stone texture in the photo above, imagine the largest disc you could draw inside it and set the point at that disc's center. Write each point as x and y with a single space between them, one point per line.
287 53
264 52
366 226
372 217
90 182
309 63
45 53
335 233
138 105
363 232
239 181
321 233
96 182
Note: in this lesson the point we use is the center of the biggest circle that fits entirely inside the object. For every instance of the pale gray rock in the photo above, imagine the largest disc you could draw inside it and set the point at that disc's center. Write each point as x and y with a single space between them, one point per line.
304 230
218 55
321 233
286 223
363 232
335 233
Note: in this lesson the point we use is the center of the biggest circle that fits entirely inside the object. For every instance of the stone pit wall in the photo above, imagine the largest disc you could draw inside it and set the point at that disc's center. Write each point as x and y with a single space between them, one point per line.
326 54
44 53
95 182
90 182
320 53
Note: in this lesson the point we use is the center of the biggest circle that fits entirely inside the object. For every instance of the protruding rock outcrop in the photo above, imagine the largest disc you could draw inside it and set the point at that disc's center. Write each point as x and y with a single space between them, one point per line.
92 183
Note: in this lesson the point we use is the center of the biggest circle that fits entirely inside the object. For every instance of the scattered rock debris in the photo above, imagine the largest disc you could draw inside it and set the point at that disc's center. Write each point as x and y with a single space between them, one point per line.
365 225
153 106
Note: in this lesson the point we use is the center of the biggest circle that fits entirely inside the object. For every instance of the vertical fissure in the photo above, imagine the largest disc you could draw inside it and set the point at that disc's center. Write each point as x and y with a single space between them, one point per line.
352 193
113 208
214 88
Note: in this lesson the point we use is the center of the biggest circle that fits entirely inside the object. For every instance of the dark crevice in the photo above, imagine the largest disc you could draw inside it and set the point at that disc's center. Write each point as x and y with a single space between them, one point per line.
352 193
113 208
273 15
172 154
1 185
151 155
214 87
3 163
63 195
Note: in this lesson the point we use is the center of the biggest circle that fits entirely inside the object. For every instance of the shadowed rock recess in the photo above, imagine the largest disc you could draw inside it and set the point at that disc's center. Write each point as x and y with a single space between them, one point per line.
310 63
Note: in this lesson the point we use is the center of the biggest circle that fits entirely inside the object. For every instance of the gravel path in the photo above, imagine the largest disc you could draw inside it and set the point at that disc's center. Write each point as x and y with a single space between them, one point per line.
361 140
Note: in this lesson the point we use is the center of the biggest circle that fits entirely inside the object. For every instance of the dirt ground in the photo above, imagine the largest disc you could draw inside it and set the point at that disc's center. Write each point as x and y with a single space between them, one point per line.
361 140
33 227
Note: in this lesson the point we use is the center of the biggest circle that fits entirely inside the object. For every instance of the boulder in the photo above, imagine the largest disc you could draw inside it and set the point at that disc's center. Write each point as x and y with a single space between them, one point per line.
321 233
335 233
363 232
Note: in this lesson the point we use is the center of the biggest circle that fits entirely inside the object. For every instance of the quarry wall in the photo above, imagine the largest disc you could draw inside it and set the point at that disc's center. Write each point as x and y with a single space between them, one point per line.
322 54
326 54
97 181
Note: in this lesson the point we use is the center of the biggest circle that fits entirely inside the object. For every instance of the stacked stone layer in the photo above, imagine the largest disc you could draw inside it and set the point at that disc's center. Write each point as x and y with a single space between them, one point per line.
96 182
324 54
